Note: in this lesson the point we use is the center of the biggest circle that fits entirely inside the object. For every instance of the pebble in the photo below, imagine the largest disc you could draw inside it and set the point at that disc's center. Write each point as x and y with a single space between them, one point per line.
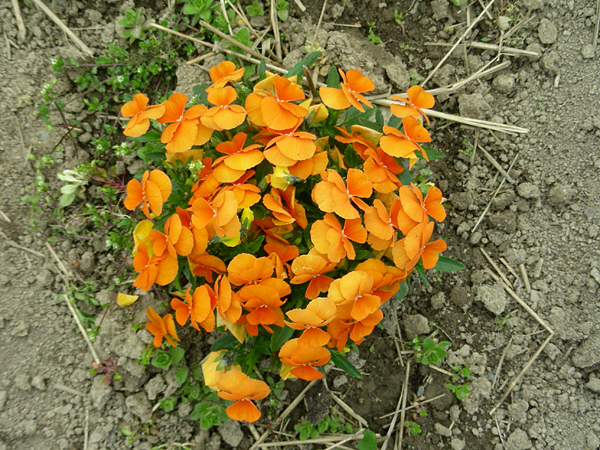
593 384
504 83
588 353
139 405
503 23
22 382
231 433
442 430
587 51
340 381
560 194
438 301
415 324
457 444
39 382
529 190
21 329
547 32
493 298
518 440
155 386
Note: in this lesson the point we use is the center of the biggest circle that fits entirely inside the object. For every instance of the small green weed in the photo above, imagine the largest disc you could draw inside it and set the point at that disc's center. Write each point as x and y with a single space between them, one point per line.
412 427
429 351
372 36
255 10
462 389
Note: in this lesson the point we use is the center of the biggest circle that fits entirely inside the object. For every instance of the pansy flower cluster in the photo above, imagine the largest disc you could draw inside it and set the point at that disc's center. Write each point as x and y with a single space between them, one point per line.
302 220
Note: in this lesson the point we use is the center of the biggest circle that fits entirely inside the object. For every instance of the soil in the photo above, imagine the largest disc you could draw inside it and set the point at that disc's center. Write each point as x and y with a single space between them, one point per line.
546 221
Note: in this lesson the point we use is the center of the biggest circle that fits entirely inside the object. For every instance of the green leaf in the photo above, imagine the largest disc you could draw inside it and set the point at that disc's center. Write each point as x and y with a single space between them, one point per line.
333 78
177 354
162 360
368 442
402 291
262 69
421 272
181 375
280 337
432 153
227 342
66 200
445 264
340 361
168 404
298 69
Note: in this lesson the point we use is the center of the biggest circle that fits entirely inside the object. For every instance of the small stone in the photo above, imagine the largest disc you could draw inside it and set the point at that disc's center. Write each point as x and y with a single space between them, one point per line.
22 382
100 434
587 51
457 444
104 296
529 190
481 389
475 238
552 351
560 194
215 442
461 296
87 264
438 300
595 274
518 440
85 138
593 384
231 433
503 23
547 32
44 278
21 329
100 393
139 405
474 105
493 297
518 411
155 386
504 83
461 200
592 440
39 383
415 324
340 380
588 353
442 430
551 63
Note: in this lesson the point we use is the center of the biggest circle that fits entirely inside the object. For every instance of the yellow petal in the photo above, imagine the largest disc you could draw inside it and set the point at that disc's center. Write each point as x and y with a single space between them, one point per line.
124 300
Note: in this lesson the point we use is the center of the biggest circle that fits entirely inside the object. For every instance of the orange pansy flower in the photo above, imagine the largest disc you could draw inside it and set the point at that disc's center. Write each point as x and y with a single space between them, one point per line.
177 239
275 109
304 360
280 254
361 139
344 326
221 212
205 265
312 269
415 245
237 160
288 214
224 115
246 269
355 289
381 170
228 302
332 195
417 99
352 86
318 313
380 226
237 387
285 148
403 145
140 115
263 302
330 238
185 129
152 192
246 194
159 270
197 307
418 209
161 327
224 73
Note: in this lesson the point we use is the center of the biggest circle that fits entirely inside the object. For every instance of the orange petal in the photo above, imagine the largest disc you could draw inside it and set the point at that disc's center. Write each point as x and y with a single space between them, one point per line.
334 98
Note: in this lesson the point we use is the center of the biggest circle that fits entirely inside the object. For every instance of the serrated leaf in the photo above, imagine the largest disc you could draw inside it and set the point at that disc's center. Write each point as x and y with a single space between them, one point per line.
445 264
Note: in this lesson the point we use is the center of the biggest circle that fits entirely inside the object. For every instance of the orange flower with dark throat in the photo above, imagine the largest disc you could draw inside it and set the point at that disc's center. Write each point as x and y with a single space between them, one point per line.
404 145
332 194
224 73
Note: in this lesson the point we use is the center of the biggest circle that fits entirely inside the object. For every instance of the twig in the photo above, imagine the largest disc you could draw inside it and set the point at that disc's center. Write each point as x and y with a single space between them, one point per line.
482 72
8 53
499 431
285 413
525 278
349 25
440 370
399 347
348 409
65 276
224 11
514 382
495 266
404 397
20 23
597 29
234 41
487 13
240 12
63 27
12 243
495 163
224 50
497 374
64 388
457 43
339 444
300 5
494 196
393 424
509 51
253 430
429 400
319 22
510 269
87 428
199 58
4 216
275 25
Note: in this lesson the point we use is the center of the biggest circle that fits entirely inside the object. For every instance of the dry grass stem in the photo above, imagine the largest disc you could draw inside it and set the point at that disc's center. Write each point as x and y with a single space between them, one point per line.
509 51
200 58
436 68
349 25
224 11
499 368
12 243
440 370
487 13
234 41
514 382
482 72
393 423
242 15
340 444
597 29
275 25
65 276
300 5
4 216
319 22
495 163
322 440
404 397
525 278
63 27
284 414
253 431
408 408
510 269
494 196
62 387
260 38
86 433
224 50
7 41
348 409
495 266
499 431
400 346
20 23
